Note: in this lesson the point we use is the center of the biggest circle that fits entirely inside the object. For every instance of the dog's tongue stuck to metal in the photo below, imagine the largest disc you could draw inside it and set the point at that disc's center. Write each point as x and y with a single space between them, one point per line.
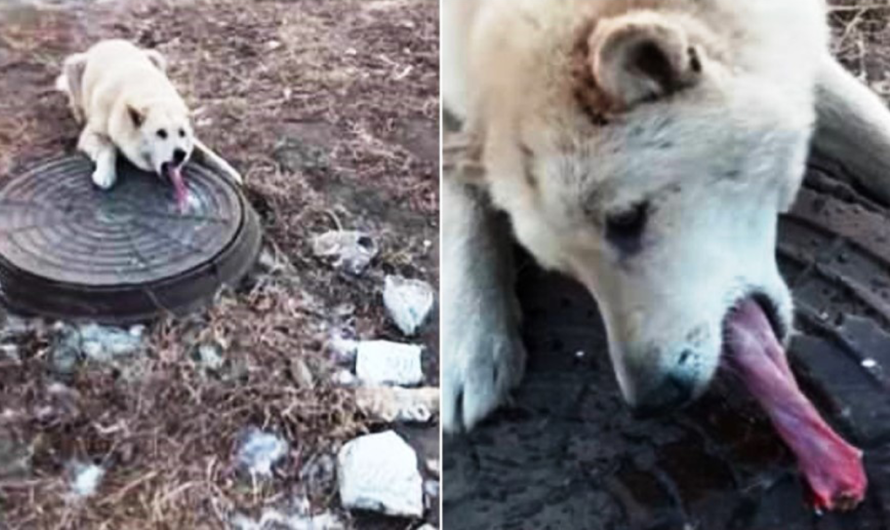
832 467
179 188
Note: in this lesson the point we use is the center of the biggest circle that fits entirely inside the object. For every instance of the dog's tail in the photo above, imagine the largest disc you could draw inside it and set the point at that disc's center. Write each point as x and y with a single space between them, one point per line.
217 162
72 73
70 82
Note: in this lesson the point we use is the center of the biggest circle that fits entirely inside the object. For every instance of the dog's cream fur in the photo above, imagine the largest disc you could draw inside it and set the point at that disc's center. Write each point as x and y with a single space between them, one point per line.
580 114
127 104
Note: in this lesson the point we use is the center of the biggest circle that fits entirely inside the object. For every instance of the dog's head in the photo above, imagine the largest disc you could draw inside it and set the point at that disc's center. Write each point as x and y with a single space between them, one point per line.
165 139
643 156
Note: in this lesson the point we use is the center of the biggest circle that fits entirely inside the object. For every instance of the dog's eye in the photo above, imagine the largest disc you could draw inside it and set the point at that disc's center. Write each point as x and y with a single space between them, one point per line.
181 133
625 228
162 134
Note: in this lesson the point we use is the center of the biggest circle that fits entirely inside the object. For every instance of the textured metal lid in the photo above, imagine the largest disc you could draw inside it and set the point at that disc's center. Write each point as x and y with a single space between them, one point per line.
123 254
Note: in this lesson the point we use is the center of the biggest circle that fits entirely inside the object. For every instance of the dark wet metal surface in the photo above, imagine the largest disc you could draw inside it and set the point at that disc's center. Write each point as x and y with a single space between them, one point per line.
56 224
568 455
69 249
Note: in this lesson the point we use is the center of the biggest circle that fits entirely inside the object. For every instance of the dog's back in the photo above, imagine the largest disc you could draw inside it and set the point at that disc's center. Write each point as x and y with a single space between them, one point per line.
117 69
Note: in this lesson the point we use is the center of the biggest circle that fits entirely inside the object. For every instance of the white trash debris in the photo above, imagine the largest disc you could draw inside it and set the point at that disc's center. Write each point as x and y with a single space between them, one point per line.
272 519
16 327
431 493
260 451
10 352
209 356
408 405
378 472
85 479
102 344
432 465
105 343
409 302
345 378
869 363
350 250
431 488
380 362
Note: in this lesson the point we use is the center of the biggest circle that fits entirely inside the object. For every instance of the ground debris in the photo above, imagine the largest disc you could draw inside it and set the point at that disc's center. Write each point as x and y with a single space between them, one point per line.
297 156
407 405
409 302
85 479
299 516
378 472
15 458
260 451
343 349
350 251
210 356
102 344
380 362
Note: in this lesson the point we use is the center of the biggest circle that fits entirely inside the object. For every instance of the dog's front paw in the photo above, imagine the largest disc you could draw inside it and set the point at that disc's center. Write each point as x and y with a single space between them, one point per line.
104 177
480 368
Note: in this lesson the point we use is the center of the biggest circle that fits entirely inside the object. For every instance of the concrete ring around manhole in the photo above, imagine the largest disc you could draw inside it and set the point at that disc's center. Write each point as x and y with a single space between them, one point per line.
70 250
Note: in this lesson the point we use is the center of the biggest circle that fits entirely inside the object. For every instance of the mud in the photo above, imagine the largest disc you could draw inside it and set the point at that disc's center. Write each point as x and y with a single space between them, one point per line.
568 455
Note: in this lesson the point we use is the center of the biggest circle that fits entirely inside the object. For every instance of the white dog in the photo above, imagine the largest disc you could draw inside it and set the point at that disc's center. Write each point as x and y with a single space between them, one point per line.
127 103
645 148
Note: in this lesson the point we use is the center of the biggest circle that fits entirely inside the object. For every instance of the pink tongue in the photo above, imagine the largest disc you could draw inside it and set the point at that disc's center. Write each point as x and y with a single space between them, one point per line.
179 188
832 467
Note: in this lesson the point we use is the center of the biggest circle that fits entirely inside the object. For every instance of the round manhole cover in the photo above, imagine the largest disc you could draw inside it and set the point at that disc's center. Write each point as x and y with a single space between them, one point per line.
70 250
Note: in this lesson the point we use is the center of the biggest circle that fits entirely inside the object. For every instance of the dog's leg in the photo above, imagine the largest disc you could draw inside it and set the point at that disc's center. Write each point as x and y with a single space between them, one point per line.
217 162
853 128
71 82
482 352
102 152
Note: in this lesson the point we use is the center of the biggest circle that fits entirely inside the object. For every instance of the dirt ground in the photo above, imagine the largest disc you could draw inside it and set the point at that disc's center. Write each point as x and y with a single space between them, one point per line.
861 31
330 110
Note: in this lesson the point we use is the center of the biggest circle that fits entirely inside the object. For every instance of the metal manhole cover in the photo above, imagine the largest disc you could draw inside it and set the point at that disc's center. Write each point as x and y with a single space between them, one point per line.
568 454
68 249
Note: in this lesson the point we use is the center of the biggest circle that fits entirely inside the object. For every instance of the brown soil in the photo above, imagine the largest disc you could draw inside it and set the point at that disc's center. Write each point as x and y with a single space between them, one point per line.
330 110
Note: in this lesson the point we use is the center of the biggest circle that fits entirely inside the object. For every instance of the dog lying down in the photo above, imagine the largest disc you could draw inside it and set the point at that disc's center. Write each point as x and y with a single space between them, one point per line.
127 104
753 354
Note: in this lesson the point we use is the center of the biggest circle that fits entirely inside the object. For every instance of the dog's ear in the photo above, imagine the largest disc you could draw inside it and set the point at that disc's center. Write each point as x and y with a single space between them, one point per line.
641 56
136 116
462 157
157 59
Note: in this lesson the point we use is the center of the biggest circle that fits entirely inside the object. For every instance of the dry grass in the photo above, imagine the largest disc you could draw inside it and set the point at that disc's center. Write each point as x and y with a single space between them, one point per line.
354 84
861 31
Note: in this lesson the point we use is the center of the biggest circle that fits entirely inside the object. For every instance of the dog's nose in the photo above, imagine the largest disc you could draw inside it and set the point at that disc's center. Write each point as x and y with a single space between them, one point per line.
671 393
178 156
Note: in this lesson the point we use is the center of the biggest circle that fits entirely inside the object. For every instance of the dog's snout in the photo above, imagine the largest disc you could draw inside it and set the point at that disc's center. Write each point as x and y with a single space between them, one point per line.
671 393
659 383
178 156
